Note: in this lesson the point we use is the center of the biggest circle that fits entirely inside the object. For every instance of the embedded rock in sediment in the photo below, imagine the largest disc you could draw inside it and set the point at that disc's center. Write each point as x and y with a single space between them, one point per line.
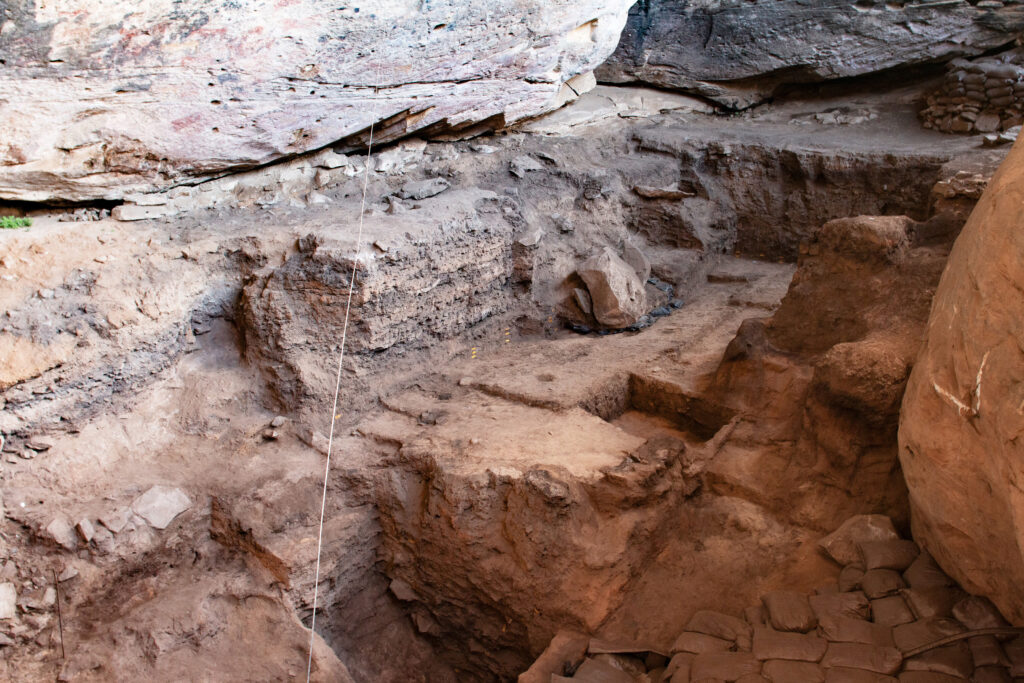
962 416
106 99
737 53
616 292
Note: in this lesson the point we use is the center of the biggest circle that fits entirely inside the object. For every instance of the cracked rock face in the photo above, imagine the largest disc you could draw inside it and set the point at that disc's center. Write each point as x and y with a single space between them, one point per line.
963 413
737 53
106 99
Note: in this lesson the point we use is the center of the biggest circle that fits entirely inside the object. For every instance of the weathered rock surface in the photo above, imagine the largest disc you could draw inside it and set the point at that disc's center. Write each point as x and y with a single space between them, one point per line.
105 100
962 419
737 53
616 291
160 505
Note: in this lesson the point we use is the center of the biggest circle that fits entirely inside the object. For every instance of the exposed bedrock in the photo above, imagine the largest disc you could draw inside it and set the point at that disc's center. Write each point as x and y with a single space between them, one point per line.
139 96
962 419
738 53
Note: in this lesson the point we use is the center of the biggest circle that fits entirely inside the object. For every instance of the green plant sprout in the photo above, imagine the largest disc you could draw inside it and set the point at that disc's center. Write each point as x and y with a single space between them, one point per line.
12 222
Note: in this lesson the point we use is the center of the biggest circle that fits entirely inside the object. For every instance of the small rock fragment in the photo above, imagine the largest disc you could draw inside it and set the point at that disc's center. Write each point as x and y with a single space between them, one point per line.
530 237
523 164
402 590
422 189
61 531
582 297
8 600
40 443
278 421
160 505
116 520
85 529
103 540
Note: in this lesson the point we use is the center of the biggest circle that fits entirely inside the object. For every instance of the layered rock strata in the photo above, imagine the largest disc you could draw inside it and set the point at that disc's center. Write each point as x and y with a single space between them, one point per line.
738 53
103 101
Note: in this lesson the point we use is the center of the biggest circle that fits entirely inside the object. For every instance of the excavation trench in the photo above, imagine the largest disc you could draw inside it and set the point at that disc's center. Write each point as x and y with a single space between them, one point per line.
497 477
567 481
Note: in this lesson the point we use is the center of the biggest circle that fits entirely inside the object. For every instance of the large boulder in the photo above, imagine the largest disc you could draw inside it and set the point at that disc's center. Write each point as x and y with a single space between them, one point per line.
738 52
962 423
105 99
616 292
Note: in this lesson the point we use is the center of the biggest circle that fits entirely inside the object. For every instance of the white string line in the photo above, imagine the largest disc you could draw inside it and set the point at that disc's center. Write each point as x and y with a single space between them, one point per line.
337 386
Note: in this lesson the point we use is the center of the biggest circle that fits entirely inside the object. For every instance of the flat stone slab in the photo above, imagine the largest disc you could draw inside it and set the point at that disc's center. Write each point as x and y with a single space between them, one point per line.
160 505
8 600
61 531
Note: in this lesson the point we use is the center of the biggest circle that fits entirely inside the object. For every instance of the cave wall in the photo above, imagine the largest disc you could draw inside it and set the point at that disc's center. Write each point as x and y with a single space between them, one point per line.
737 52
106 99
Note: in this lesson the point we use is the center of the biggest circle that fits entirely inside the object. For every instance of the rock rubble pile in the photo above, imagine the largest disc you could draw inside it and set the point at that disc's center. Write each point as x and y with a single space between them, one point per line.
892 616
979 96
